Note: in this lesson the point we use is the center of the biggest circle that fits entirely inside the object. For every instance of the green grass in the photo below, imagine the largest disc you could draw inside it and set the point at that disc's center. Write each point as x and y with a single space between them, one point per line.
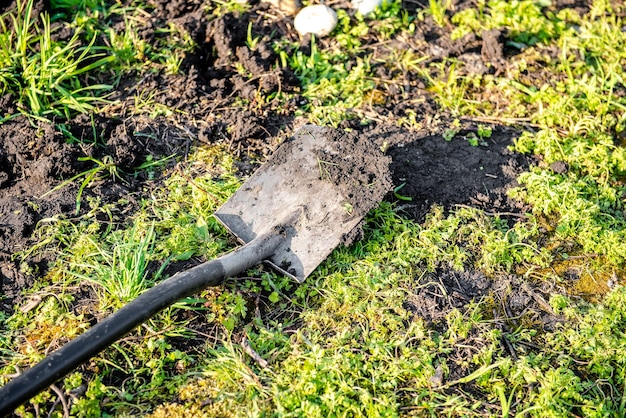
51 78
359 352
338 83
344 342
46 76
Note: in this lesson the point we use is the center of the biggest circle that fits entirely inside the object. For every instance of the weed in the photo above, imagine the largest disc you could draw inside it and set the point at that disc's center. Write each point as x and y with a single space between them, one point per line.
396 193
251 41
484 132
104 168
46 75
68 9
390 18
438 9
145 102
122 272
171 47
449 134
129 49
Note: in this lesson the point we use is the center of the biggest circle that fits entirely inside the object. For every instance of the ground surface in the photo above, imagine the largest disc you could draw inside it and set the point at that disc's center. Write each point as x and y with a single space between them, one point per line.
430 163
433 170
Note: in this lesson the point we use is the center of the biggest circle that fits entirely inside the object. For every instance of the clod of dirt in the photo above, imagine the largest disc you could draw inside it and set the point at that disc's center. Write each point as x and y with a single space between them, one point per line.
559 167
226 33
364 177
33 151
492 49
124 148
33 159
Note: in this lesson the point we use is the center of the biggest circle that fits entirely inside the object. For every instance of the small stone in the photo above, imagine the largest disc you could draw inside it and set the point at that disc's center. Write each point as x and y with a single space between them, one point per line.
559 167
366 6
320 20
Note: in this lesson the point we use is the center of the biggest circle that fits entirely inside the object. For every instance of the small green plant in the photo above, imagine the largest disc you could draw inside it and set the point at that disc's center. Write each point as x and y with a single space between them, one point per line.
78 13
121 267
46 76
449 134
472 139
172 64
251 41
438 9
104 168
133 52
484 132
475 140
145 102
128 47
396 193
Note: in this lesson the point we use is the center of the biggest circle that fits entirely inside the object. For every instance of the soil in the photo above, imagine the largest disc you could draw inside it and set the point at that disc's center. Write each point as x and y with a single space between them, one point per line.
206 98
318 186
36 160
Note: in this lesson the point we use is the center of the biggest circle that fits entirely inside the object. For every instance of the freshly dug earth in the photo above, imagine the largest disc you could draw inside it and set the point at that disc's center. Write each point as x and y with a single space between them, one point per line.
36 160
205 97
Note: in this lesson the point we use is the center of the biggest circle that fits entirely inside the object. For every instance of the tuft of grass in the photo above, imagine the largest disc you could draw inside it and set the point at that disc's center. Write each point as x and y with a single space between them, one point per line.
46 76
338 83
123 271
438 9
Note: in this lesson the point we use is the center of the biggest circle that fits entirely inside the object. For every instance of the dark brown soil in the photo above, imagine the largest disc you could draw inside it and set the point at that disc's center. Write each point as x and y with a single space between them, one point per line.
432 171
35 157
206 97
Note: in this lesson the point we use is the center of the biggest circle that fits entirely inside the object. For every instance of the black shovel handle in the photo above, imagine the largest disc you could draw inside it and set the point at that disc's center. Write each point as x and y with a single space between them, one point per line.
82 348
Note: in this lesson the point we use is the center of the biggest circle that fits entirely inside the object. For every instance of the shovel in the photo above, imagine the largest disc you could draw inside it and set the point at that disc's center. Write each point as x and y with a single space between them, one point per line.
308 198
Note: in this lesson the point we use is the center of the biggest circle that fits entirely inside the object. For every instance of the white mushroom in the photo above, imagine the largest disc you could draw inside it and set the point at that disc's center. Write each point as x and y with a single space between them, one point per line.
366 6
318 19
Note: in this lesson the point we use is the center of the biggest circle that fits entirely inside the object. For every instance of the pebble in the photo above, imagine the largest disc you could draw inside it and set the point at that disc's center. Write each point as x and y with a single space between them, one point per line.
320 20
366 6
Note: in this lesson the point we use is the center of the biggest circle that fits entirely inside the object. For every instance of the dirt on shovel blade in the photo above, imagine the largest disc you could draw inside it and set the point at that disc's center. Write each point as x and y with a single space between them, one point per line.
320 183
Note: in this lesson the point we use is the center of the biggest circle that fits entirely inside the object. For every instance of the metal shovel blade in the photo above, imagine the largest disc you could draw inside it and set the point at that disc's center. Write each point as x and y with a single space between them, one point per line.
318 185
